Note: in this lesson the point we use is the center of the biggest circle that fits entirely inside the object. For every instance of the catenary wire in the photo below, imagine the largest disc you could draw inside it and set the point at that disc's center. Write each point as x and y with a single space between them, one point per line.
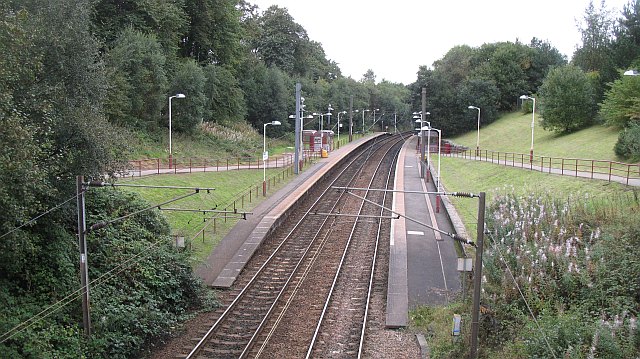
40 215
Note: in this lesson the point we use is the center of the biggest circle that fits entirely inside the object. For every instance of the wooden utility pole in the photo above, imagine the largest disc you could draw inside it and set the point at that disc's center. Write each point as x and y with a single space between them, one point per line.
477 278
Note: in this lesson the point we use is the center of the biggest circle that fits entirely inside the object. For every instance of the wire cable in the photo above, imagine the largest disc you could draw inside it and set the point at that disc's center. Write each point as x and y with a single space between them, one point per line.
39 216
73 296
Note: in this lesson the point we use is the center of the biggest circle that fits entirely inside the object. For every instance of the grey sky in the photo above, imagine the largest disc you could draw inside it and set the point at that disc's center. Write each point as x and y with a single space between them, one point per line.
395 37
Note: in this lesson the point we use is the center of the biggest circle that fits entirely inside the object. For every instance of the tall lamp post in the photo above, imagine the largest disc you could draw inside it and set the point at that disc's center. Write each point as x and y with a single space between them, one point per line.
265 154
533 121
419 116
338 125
178 95
373 123
478 139
363 111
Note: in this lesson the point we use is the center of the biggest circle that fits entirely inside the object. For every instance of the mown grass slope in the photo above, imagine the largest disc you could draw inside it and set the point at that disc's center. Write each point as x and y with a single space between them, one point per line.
512 133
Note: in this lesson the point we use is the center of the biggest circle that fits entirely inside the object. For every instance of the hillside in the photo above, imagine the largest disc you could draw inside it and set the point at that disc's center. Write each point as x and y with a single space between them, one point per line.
512 133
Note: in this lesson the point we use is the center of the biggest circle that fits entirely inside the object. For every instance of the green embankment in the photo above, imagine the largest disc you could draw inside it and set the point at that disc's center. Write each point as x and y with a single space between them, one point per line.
229 186
512 133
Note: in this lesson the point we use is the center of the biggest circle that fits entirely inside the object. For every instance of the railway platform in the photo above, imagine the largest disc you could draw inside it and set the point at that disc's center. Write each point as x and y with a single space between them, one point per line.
422 262
227 260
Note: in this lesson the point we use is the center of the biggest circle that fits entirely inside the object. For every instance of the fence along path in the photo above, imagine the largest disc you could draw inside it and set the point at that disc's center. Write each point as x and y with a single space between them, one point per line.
153 166
612 171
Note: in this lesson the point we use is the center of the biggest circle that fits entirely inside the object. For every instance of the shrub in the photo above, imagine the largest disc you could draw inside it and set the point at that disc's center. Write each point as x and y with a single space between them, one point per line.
628 145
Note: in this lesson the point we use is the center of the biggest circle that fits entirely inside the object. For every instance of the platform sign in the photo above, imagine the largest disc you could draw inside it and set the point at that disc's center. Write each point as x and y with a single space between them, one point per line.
457 324
265 155
465 264
317 143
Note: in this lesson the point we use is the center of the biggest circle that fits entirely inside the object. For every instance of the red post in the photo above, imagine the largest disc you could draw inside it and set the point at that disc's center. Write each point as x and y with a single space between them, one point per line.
158 161
170 161
437 203
264 188
190 164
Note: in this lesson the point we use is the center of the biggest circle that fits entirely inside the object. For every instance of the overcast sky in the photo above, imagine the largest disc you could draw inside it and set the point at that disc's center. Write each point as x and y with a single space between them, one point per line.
395 37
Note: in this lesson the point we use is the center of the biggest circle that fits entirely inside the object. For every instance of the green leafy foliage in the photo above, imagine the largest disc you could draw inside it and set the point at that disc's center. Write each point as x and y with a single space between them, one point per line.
135 66
628 145
621 104
574 262
226 103
188 113
567 100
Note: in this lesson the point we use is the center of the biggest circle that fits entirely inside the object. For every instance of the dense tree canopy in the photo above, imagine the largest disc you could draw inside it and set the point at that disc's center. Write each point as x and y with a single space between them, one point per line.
567 100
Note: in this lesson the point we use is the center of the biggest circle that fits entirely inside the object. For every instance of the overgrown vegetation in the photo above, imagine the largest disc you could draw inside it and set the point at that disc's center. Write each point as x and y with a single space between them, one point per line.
571 260
141 286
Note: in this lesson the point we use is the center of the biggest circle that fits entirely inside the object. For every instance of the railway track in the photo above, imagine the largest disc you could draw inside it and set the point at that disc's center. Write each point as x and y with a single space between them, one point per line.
278 303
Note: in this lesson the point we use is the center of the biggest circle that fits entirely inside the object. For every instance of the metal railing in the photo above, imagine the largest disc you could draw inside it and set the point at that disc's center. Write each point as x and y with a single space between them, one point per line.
153 166
577 167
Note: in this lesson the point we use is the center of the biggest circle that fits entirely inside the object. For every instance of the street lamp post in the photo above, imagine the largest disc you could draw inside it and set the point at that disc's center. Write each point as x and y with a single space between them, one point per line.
265 154
478 139
419 116
533 121
338 125
429 128
363 111
178 95
373 123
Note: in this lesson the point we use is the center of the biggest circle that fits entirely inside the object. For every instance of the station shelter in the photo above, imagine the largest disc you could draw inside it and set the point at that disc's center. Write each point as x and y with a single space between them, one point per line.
312 138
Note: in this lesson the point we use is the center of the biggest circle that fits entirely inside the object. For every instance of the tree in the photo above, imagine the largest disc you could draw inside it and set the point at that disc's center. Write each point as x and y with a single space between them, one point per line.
626 46
281 41
621 105
505 65
269 94
139 84
595 54
166 20
567 100
543 58
214 32
225 99
189 112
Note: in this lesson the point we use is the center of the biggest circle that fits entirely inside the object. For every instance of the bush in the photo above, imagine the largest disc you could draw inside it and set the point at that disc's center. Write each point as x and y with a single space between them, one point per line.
628 145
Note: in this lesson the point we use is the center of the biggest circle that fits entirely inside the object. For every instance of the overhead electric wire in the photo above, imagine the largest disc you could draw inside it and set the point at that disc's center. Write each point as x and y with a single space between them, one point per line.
79 292
71 297
39 216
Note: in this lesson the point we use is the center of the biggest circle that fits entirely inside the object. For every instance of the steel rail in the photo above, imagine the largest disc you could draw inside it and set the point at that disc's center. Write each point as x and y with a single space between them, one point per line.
342 260
307 270
200 345
373 266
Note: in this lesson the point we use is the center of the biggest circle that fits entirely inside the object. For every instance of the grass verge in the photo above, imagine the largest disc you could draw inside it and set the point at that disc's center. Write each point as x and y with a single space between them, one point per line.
229 186
512 133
